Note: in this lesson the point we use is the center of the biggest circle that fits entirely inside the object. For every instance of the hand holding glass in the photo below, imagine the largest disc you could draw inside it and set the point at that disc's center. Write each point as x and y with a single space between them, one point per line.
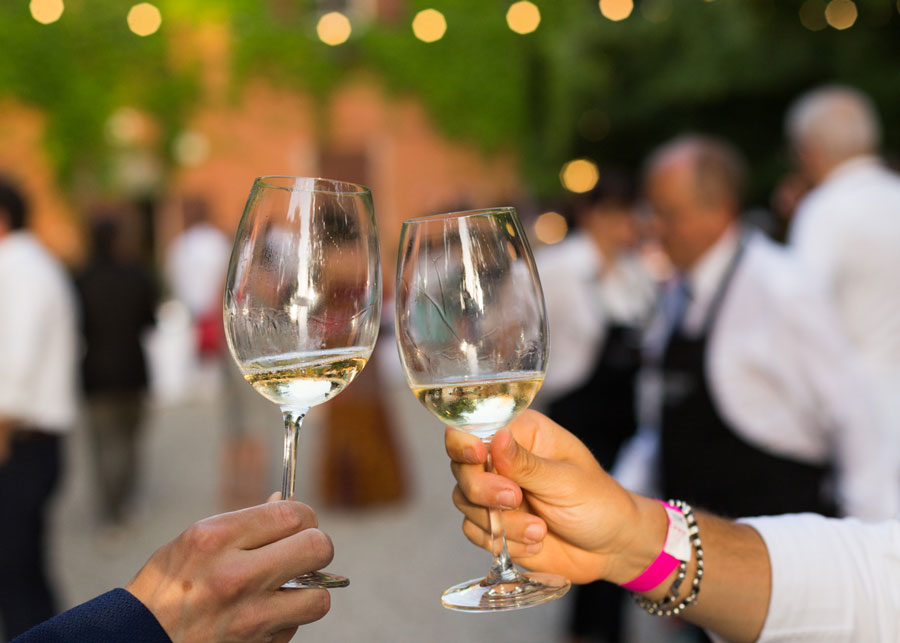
303 301
472 335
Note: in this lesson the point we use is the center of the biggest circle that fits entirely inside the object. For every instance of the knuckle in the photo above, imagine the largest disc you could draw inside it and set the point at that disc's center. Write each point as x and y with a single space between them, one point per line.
203 537
290 515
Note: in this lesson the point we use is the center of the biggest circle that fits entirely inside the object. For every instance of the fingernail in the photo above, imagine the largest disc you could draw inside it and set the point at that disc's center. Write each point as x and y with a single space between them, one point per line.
506 499
469 455
534 533
534 549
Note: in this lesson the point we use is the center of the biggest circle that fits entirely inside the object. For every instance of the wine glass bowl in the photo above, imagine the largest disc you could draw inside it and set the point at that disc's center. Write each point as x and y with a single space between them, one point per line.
473 341
302 301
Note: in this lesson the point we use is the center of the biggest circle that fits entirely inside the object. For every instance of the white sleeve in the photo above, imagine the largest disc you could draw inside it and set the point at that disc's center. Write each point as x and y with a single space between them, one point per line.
22 317
833 581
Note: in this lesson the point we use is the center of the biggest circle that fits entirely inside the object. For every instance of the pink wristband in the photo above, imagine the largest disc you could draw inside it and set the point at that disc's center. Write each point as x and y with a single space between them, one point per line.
659 569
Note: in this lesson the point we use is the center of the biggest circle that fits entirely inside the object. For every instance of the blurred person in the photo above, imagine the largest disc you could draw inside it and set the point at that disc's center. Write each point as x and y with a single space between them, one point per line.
784 578
196 267
752 402
847 230
38 404
598 295
118 301
218 582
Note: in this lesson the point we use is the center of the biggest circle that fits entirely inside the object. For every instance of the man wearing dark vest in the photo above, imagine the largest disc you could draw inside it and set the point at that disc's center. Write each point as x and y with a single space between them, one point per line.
751 397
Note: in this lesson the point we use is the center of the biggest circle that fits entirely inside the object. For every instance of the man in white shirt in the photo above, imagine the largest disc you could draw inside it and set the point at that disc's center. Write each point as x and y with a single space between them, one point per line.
787 578
847 230
37 404
751 389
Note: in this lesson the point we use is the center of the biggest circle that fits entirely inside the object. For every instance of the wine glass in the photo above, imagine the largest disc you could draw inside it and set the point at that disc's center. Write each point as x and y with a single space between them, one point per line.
473 341
303 301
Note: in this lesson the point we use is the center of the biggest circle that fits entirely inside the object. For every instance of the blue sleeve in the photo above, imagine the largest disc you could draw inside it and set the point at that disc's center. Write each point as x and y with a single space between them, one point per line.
110 618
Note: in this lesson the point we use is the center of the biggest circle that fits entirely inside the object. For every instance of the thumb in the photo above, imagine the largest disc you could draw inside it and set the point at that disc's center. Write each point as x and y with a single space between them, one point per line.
531 472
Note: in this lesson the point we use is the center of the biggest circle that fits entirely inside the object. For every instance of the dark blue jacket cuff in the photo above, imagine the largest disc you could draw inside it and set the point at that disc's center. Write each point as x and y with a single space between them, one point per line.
112 617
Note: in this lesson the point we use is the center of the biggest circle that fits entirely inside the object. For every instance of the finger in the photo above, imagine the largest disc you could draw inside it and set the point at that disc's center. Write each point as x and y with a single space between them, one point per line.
531 472
291 608
275 497
268 523
520 526
486 489
279 562
482 538
464 447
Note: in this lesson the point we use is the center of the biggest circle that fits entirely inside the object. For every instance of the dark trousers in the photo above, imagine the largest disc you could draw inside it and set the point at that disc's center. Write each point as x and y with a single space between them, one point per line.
26 481
114 423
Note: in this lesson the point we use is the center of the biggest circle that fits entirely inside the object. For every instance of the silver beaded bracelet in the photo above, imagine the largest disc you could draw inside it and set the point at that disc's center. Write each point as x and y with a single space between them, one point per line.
668 606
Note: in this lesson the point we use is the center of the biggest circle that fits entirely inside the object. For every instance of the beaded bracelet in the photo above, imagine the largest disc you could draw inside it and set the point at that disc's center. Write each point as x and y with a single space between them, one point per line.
667 606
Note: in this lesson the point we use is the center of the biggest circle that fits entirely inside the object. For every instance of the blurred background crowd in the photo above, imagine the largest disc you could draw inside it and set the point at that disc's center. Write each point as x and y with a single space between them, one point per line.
709 187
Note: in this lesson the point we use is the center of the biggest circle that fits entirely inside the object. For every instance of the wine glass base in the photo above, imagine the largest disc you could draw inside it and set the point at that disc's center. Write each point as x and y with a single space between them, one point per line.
316 580
479 595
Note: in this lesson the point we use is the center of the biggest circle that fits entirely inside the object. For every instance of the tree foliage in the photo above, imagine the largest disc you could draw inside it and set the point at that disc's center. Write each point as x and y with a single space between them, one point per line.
581 85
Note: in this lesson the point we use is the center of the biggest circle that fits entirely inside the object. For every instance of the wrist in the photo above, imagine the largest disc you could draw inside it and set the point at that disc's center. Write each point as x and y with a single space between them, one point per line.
642 543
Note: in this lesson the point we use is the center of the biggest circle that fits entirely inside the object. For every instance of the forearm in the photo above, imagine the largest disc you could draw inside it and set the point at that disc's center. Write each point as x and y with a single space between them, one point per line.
736 584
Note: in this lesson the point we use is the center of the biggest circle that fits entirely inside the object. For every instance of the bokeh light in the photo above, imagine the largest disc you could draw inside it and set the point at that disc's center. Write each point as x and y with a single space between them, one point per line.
334 28
579 175
841 14
812 15
616 9
523 17
190 148
144 19
550 228
46 11
429 25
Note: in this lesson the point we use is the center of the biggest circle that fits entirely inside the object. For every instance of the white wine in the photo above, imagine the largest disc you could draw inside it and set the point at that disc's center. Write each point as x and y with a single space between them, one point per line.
305 379
480 406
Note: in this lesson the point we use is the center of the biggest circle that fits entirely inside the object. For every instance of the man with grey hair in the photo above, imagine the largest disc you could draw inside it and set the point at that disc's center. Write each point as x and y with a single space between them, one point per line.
750 403
847 229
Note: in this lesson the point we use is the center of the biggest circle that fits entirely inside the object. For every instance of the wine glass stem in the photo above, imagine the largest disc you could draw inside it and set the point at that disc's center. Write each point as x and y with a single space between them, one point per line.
502 568
293 419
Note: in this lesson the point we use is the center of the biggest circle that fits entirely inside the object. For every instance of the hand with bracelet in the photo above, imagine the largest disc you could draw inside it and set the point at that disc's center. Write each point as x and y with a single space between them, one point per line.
566 515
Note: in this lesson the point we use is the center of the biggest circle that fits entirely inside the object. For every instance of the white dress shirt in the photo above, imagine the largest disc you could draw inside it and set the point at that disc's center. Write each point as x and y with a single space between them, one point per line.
833 581
196 266
847 234
38 336
584 295
781 374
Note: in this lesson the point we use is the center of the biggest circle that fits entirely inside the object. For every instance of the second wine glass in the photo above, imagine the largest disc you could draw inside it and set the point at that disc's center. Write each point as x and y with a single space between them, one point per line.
303 301
473 341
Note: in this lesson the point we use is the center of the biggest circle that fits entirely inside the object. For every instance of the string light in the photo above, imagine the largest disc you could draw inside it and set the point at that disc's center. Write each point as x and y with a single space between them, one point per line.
616 10
812 15
334 28
523 17
46 11
550 228
579 175
841 14
429 25
144 19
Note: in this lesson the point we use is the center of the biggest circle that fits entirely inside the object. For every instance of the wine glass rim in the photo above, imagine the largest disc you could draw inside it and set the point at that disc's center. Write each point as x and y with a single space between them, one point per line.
461 214
309 183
